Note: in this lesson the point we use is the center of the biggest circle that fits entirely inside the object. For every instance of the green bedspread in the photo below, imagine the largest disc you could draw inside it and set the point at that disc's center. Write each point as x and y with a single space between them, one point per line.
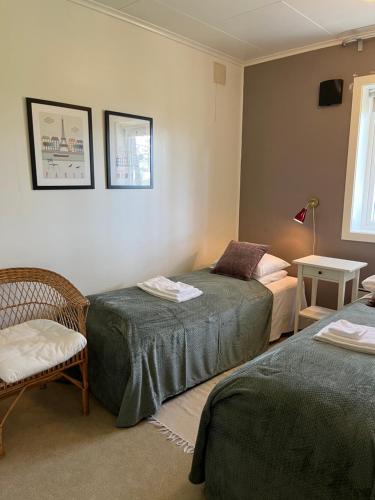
143 349
297 423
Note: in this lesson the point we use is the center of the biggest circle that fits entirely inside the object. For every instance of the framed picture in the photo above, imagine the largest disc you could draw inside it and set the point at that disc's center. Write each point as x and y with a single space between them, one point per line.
129 151
61 151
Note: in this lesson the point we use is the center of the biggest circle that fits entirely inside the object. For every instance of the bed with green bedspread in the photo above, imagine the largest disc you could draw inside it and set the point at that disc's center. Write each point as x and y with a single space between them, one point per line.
297 423
143 349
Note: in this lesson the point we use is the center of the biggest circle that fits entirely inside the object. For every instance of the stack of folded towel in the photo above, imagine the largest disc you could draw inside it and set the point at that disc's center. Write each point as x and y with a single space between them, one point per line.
348 335
166 289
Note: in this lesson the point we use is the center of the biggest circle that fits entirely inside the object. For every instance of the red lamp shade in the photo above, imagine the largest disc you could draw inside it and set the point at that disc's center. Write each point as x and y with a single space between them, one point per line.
300 217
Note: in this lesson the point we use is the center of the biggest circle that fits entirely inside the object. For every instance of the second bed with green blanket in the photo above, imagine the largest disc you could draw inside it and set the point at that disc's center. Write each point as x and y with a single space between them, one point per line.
143 350
297 423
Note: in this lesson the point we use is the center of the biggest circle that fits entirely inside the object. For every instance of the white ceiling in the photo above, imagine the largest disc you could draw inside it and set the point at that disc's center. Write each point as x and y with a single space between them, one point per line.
251 29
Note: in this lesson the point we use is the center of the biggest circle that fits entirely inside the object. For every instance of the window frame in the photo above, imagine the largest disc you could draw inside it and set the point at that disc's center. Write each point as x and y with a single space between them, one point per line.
359 146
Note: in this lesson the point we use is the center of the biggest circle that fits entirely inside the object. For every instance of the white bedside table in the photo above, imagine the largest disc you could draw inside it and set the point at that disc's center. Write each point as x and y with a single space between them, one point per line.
326 269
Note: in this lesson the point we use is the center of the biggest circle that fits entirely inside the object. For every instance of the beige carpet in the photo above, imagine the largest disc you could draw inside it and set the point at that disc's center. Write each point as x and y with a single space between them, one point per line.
53 452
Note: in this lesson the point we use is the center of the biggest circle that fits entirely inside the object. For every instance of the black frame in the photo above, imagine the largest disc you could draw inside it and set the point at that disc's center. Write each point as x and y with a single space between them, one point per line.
107 114
29 102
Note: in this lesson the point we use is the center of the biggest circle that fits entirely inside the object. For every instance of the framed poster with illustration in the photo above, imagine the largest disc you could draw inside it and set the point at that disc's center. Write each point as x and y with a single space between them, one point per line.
129 151
61 151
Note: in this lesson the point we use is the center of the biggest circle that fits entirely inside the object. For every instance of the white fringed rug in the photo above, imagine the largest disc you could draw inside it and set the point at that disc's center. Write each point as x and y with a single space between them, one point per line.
179 417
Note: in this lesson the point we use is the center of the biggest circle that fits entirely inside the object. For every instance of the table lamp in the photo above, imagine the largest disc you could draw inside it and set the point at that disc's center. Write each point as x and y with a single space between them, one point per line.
301 215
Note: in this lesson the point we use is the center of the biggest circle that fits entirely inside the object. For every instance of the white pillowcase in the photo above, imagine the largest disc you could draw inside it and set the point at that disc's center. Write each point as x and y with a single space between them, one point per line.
270 278
269 264
369 283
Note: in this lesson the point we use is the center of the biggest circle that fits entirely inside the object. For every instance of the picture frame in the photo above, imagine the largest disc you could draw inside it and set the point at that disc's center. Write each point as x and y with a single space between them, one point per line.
61 148
129 150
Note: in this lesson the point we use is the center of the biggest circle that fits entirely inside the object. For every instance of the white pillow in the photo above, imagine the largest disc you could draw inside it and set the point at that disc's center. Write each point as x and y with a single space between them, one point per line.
269 264
270 278
369 283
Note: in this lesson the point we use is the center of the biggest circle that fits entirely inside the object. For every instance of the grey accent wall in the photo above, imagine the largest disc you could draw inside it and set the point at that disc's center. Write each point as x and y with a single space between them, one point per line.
292 150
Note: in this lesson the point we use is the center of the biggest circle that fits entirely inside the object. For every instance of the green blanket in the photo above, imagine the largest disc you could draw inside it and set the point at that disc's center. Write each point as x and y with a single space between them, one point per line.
143 350
297 423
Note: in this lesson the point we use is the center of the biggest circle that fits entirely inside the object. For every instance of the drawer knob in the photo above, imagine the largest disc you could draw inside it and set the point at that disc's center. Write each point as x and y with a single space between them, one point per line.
319 272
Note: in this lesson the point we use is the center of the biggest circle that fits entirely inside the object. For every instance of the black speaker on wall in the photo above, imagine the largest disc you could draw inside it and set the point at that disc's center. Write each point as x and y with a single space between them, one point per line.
330 92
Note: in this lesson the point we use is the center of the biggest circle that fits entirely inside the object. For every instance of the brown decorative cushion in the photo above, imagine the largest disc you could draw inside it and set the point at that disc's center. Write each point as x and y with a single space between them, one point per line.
240 259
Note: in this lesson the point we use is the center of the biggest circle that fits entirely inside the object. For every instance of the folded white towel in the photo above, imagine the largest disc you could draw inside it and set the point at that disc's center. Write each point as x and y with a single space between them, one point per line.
165 285
347 329
174 298
170 290
365 343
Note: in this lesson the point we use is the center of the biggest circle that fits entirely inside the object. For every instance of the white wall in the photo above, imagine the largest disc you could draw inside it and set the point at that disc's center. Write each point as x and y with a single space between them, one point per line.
102 239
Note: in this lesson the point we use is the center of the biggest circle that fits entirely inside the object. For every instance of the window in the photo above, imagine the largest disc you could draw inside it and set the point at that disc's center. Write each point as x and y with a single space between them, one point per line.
359 204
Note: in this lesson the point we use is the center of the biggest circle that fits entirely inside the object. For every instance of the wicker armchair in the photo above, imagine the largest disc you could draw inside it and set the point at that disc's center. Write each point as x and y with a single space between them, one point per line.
30 293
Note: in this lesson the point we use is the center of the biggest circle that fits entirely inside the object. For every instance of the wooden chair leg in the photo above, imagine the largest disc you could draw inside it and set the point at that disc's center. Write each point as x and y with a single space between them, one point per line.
2 451
7 413
85 389
85 401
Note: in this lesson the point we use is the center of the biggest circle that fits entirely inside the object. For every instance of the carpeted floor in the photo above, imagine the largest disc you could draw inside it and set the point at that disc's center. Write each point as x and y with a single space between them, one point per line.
53 452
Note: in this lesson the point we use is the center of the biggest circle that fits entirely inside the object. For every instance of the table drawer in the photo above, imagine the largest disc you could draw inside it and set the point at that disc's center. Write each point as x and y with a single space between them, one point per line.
321 273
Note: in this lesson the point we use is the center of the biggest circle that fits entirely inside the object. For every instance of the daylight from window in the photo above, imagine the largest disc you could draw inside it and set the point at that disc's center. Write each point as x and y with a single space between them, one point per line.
359 210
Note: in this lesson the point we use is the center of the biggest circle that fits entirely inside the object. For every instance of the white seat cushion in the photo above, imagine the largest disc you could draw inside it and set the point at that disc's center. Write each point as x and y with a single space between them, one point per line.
31 347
